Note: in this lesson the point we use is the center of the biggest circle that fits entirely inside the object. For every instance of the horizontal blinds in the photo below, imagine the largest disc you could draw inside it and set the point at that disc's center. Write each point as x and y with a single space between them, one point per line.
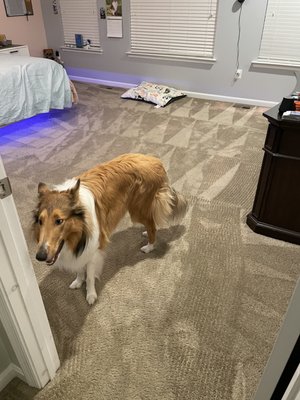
281 34
80 17
173 27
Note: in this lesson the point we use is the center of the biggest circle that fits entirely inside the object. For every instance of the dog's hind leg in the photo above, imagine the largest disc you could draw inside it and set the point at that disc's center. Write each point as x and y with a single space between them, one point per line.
77 283
150 233
93 271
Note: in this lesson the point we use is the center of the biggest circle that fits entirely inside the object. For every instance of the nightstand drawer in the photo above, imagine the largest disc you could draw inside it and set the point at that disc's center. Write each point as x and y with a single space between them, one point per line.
16 51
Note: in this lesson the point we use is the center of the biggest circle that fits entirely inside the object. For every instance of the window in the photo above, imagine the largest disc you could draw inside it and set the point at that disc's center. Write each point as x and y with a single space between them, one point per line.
280 44
80 17
173 29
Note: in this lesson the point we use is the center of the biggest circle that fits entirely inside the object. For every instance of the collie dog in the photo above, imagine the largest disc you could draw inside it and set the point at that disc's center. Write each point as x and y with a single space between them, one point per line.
74 221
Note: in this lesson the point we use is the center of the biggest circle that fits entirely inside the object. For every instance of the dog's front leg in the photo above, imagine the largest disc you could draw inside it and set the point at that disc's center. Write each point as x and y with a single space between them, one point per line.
93 271
77 283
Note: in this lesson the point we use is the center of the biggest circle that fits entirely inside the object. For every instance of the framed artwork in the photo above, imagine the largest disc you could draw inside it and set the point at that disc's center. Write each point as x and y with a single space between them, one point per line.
16 8
114 8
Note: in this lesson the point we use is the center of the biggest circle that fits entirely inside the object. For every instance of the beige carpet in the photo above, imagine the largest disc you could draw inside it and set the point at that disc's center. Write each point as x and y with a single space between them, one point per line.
197 318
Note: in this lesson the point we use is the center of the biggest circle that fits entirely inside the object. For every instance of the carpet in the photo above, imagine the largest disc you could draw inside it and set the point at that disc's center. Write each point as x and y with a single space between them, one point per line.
197 318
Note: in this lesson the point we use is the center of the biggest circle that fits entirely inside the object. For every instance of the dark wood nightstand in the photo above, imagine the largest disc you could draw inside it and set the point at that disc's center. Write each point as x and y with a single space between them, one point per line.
276 208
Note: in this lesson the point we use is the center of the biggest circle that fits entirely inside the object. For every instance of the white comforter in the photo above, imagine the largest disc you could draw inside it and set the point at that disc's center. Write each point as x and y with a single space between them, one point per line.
30 86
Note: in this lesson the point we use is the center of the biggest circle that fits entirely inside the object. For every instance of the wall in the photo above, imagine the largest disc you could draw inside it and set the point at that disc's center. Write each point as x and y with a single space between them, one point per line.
21 31
257 84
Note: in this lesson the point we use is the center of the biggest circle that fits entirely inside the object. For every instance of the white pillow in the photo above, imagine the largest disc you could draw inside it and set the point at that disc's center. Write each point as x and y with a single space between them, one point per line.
151 92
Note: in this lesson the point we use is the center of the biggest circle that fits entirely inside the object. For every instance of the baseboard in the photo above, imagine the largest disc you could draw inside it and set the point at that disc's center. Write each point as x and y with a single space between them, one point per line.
103 82
10 372
239 100
206 96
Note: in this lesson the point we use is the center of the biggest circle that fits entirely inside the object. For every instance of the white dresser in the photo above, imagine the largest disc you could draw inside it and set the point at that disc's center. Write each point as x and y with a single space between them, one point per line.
17 50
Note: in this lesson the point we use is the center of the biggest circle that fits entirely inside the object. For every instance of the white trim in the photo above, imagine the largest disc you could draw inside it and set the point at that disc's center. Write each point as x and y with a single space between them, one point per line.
293 390
172 57
22 311
103 82
282 349
10 372
275 64
207 96
91 50
230 99
28 357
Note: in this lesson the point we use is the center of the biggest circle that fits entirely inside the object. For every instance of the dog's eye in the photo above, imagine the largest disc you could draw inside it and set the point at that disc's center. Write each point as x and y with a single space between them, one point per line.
59 221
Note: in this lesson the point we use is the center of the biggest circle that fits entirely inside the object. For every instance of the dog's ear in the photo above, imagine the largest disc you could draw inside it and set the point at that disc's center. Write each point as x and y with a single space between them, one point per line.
42 188
75 190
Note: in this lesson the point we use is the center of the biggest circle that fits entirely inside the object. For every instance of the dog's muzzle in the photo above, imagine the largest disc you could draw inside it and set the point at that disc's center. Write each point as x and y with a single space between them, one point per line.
42 254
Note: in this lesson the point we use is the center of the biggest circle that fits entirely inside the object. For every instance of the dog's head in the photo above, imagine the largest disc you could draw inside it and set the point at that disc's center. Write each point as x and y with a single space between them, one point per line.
58 219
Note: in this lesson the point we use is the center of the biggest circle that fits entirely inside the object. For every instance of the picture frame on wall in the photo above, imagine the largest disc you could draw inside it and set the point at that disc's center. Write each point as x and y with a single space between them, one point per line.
17 8
114 8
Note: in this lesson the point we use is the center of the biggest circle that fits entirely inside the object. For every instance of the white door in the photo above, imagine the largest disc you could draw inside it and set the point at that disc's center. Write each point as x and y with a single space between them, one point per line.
22 311
283 347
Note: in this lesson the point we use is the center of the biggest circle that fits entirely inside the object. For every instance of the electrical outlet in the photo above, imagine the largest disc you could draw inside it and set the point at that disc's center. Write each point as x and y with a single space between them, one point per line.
238 74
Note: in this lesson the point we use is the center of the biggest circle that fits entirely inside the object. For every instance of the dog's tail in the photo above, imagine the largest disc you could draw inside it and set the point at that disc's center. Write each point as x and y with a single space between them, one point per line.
168 207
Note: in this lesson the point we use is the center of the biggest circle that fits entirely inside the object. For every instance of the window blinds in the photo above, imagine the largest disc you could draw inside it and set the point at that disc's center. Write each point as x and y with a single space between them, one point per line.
173 28
281 35
80 17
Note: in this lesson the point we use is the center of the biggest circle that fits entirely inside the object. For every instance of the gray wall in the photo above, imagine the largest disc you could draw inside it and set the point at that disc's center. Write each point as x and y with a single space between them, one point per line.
217 79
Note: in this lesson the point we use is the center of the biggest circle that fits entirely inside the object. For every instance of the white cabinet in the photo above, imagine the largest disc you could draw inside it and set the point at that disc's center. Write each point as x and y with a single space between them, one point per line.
15 50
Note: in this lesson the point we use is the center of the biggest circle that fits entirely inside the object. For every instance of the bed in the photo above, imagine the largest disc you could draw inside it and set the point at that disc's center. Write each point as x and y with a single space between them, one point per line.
32 85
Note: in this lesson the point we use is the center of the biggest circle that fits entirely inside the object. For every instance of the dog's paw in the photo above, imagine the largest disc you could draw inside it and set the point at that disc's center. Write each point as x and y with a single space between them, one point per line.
91 297
146 249
76 284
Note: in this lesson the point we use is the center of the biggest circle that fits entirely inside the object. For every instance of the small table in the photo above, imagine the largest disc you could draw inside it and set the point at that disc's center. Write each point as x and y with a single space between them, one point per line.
276 207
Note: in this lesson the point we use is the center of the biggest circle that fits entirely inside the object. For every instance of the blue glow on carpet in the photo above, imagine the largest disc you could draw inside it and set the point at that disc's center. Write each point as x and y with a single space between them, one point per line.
27 127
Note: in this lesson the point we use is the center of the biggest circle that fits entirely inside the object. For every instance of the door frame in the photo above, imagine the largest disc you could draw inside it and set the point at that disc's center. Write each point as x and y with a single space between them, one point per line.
271 383
22 311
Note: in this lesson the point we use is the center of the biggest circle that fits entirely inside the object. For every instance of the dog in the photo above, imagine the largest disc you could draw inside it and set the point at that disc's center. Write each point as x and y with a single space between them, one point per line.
73 221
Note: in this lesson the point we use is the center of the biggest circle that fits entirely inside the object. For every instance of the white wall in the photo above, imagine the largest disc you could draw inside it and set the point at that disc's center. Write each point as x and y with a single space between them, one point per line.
256 83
